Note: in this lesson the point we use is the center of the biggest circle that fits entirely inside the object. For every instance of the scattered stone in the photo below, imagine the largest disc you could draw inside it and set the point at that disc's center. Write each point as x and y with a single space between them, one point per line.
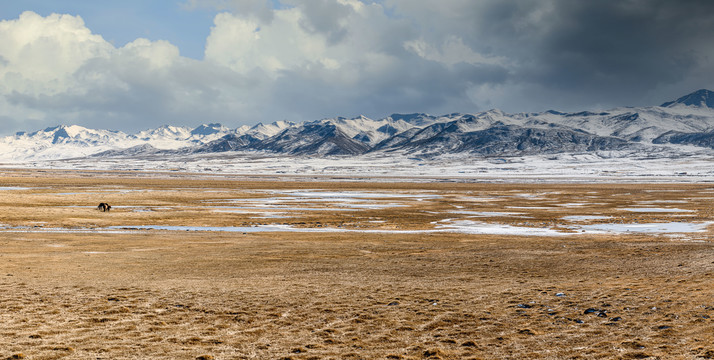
637 355
602 314
63 348
590 311
560 294
524 306
663 327
469 344
633 345
617 318
579 321
433 353
393 303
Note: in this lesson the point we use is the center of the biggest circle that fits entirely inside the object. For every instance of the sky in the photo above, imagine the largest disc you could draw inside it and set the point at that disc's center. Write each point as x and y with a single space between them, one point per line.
135 64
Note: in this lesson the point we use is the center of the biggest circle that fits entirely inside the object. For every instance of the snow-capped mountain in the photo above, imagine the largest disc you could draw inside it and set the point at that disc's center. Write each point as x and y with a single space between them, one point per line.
688 120
699 98
72 134
71 141
262 131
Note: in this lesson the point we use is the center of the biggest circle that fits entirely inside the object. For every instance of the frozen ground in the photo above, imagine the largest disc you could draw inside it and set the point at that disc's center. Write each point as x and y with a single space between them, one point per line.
471 217
695 166
446 226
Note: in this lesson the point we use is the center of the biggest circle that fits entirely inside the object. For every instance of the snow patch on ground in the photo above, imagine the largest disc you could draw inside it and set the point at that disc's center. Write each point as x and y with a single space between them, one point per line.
585 217
657 210
659 228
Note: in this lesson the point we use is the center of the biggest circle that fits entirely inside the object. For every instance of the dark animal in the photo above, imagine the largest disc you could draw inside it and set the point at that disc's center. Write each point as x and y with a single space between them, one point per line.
104 207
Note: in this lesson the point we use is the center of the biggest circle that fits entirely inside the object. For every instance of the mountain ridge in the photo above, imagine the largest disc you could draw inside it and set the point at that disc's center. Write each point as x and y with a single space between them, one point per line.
689 120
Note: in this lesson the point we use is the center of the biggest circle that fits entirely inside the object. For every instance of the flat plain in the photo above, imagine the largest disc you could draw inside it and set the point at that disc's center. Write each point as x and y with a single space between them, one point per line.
188 267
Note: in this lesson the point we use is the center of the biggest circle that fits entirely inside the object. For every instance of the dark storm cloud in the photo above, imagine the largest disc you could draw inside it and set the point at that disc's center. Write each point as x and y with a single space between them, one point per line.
419 87
603 52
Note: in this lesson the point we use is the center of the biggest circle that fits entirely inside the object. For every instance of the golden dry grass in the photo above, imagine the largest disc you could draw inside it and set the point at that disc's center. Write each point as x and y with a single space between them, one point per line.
189 295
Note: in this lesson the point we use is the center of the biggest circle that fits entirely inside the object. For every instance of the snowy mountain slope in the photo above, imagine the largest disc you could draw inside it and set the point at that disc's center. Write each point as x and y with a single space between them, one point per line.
509 140
687 121
144 149
699 98
231 142
262 131
701 139
313 139
635 124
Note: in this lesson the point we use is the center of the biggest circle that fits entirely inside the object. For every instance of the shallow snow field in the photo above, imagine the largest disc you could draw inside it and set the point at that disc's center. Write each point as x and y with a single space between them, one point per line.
610 166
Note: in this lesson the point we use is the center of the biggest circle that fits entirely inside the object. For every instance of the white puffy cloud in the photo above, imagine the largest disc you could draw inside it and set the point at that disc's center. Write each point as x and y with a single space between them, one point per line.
55 70
40 54
293 41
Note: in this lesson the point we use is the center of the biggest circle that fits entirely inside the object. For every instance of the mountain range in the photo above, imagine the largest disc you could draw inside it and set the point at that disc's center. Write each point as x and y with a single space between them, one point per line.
687 121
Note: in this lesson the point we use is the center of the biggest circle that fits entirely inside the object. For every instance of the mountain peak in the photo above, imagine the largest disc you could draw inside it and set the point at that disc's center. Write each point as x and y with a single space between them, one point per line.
408 117
700 98
208 129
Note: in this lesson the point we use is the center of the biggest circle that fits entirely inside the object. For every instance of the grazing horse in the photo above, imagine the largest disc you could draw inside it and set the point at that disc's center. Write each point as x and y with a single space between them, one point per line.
104 207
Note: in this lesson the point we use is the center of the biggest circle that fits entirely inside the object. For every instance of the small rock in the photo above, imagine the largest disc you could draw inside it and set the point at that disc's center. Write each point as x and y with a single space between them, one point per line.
560 294
590 311
602 314
393 303
435 353
663 327
469 344
524 306
616 318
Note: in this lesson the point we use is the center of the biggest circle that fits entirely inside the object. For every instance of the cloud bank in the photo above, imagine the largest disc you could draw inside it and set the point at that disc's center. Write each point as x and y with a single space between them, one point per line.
305 60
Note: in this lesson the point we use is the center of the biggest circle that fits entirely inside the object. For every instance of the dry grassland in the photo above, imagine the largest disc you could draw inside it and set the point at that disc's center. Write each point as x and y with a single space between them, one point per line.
141 294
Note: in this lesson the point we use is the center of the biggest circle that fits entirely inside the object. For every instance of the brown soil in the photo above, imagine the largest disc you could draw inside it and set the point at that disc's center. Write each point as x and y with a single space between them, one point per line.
219 295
